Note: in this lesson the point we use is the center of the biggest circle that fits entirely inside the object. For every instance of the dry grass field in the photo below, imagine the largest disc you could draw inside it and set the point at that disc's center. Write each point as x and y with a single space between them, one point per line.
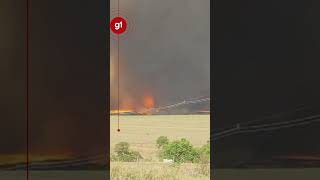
158 171
141 132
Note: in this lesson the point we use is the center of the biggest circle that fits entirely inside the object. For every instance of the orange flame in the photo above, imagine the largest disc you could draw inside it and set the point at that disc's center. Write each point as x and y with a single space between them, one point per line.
148 102
135 108
121 111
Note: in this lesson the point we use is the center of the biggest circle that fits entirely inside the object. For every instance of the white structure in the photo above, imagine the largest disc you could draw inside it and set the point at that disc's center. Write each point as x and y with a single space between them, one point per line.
168 161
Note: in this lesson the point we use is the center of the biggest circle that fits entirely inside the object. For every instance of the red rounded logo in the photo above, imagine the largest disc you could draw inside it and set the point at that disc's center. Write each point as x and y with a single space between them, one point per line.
118 25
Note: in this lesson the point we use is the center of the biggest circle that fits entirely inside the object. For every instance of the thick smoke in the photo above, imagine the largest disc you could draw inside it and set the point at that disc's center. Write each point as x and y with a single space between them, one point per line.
167 54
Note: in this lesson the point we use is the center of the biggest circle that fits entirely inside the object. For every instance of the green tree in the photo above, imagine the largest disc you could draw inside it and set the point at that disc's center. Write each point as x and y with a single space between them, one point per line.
123 153
162 140
180 151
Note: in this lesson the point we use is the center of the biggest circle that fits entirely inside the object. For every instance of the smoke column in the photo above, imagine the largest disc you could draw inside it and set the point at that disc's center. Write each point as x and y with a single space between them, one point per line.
167 55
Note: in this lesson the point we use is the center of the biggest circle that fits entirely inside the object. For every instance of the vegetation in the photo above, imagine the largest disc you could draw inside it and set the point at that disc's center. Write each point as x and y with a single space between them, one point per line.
162 140
182 151
123 153
204 153
157 171
142 134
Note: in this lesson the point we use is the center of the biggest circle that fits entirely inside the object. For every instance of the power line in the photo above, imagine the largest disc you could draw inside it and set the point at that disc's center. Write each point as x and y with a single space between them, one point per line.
265 127
181 103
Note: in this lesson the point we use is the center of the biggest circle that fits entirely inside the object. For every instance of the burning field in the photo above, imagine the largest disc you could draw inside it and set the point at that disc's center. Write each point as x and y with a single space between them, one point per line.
134 95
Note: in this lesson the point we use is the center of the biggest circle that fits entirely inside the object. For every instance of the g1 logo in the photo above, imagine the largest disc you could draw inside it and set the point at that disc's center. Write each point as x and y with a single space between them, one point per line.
118 25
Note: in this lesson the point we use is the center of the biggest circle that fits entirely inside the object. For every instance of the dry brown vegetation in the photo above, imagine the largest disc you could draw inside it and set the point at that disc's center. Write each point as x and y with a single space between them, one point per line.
158 171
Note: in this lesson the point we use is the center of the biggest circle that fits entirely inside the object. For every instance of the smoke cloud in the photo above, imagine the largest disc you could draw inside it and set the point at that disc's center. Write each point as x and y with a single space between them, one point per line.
167 54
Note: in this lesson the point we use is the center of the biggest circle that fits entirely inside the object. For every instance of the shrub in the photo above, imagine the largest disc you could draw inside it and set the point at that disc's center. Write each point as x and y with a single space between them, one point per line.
204 153
180 151
121 148
162 140
123 153
183 151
